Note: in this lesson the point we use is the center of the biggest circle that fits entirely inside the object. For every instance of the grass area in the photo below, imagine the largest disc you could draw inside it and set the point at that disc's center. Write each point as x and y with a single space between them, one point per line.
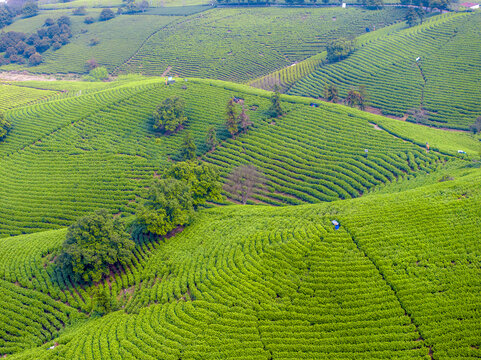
257 282
444 81
243 44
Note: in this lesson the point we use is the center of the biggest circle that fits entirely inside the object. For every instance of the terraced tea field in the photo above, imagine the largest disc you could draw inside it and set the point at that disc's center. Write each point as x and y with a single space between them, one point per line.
281 283
445 81
12 96
67 157
243 44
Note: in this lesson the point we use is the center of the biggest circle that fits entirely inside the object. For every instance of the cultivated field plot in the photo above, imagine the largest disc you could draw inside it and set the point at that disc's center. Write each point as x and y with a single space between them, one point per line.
444 81
12 96
67 157
242 44
281 283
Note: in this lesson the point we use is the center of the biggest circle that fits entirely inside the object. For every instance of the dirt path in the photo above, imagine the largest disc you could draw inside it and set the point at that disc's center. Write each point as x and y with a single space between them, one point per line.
25 76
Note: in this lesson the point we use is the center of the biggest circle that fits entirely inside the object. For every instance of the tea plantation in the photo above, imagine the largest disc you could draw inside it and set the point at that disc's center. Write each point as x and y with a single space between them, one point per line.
359 236
262 282
444 81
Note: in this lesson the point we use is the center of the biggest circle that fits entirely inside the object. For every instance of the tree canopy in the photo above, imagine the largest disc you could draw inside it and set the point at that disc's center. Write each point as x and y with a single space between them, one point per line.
169 204
169 115
106 14
188 150
243 181
275 110
93 243
203 179
30 9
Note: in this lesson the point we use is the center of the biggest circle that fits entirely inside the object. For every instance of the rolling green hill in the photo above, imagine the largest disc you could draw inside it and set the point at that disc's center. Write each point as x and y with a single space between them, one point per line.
445 81
242 44
398 280
67 157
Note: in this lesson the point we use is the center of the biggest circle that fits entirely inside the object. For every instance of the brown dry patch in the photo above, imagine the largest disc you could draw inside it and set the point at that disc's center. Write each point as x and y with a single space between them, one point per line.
25 76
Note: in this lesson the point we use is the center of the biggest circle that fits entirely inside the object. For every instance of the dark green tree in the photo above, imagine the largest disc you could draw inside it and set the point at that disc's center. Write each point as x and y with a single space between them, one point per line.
169 204
35 59
275 110
103 303
203 179
188 147
421 13
169 116
6 16
93 243
231 118
338 49
411 17
373 4
30 9
331 93
211 139
4 126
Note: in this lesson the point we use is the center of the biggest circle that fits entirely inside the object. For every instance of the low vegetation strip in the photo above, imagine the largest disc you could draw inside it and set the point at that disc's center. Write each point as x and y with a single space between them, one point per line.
12 96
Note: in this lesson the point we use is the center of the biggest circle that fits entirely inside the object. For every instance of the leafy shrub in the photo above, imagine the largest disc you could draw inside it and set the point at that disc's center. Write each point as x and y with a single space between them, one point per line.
97 74
89 20
35 59
106 14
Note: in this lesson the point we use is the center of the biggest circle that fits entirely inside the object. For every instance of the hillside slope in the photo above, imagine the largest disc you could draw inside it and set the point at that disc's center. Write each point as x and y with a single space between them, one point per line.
399 279
445 80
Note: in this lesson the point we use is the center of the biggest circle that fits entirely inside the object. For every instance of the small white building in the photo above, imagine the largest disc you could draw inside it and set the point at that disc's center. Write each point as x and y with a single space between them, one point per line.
470 6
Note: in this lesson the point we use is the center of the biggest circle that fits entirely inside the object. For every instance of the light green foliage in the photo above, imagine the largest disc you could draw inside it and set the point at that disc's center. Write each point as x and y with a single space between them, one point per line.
275 110
244 44
188 150
93 244
169 204
444 81
97 74
169 115
203 179
4 126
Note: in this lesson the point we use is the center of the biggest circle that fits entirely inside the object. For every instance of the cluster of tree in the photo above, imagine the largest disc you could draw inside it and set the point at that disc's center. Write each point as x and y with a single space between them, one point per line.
339 49
6 15
19 47
235 122
106 14
432 4
131 6
414 15
372 4
4 126
172 200
98 73
243 181
357 98
169 115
